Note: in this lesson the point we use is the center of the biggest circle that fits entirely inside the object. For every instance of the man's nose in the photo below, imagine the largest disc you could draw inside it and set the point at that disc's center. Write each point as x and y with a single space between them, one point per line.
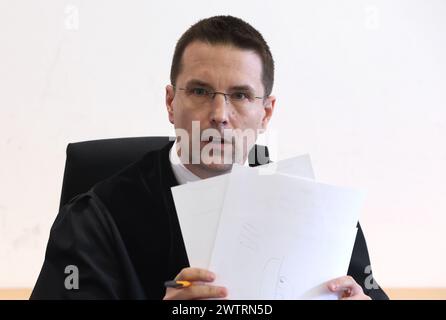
220 109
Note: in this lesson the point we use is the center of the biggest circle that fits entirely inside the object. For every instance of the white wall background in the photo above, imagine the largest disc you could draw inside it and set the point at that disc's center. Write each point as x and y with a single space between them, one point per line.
361 86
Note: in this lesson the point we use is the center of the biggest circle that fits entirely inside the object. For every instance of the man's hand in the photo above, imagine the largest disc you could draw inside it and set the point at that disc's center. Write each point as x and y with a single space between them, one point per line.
199 288
349 288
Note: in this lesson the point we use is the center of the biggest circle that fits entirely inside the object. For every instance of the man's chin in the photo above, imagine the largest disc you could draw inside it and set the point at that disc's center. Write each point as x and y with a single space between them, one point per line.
218 158
217 167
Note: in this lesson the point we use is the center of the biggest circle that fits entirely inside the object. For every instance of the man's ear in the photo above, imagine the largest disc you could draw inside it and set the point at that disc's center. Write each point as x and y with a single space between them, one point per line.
170 95
269 109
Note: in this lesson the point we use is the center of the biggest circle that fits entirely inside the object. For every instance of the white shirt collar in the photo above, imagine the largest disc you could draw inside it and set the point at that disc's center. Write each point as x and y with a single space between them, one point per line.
181 173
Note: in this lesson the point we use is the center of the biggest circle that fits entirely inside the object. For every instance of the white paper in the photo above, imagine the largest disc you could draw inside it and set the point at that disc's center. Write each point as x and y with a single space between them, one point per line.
199 204
282 237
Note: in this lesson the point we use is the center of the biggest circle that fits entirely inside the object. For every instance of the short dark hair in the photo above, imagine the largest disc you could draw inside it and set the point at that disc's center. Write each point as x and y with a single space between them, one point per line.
226 30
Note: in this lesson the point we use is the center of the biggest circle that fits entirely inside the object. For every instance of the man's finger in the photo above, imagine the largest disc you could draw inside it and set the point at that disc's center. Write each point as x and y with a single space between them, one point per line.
199 292
195 274
345 283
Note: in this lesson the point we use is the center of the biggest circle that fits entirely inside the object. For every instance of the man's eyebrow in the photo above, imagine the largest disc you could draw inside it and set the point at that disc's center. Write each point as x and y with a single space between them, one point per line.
244 87
196 82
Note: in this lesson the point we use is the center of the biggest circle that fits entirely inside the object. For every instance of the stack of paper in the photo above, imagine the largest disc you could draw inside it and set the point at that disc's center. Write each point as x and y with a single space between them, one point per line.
269 232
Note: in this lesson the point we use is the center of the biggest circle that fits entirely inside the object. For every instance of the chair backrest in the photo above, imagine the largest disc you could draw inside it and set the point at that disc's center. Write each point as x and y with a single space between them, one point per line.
89 162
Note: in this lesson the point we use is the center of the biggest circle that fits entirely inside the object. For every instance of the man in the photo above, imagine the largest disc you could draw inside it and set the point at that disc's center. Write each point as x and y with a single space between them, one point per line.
123 236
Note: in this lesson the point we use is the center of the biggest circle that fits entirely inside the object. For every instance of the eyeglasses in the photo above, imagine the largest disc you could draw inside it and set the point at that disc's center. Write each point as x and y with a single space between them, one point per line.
203 95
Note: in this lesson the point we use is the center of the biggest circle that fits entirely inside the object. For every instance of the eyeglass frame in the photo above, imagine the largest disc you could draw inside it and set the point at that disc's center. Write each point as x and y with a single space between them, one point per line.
212 94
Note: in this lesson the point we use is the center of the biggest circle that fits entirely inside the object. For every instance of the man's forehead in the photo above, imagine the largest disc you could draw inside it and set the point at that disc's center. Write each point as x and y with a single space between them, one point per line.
207 61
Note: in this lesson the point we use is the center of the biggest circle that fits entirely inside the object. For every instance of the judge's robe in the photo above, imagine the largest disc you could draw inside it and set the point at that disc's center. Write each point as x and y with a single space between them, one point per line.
124 238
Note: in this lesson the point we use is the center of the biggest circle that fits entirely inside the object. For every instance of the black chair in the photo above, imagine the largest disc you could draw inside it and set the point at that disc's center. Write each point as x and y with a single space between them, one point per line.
89 162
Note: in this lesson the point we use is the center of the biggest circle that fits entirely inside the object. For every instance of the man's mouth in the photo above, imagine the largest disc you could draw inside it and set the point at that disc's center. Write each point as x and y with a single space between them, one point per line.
217 140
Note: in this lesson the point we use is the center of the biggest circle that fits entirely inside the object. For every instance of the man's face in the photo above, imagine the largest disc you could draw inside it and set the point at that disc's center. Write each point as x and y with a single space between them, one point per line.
221 68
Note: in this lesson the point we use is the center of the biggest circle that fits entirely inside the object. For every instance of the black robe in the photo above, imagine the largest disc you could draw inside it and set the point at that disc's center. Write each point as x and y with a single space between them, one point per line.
125 239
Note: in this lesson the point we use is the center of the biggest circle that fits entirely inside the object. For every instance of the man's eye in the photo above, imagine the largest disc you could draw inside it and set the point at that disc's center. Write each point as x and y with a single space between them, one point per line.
239 96
199 91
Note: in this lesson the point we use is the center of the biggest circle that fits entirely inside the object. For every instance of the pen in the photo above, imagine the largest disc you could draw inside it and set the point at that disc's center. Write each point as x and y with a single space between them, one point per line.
177 284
